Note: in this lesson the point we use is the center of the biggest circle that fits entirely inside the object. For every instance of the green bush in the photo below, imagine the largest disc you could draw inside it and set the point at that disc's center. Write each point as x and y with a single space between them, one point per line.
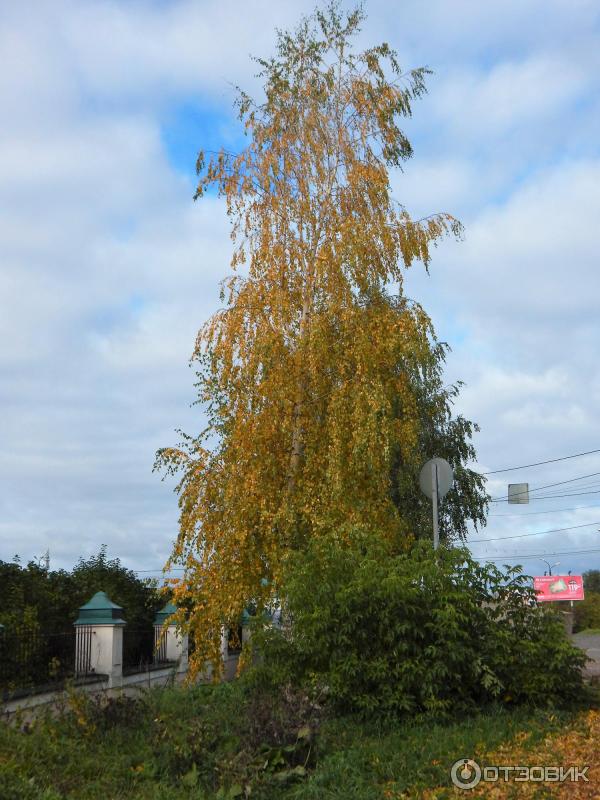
419 632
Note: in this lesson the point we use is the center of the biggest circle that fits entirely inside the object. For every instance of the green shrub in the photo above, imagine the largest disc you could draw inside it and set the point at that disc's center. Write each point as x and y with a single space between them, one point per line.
238 734
418 632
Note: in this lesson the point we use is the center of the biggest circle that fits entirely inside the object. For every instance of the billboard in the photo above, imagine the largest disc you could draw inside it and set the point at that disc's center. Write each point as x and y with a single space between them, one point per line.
558 587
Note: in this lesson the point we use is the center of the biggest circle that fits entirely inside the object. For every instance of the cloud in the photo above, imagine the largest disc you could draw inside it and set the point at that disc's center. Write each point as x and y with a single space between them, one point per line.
467 30
108 269
147 49
531 261
520 292
512 93
428 185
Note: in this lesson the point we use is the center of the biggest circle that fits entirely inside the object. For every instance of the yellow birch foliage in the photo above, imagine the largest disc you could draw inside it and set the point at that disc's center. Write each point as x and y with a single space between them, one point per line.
302 368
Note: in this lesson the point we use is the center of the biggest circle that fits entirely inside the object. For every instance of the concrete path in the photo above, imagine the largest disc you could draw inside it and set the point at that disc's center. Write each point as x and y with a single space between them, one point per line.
591 644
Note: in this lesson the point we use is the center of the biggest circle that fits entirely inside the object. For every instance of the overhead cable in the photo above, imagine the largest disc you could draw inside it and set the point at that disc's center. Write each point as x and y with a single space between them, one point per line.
555 496
540 463
546 486
547 511
537 533
537 555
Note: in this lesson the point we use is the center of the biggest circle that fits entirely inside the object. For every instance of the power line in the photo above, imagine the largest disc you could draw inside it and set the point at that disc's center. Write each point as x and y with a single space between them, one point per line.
159 570
471 541
539 463
537 533
593 485
537 555
497 500
477 558
546 486
555 496
550 511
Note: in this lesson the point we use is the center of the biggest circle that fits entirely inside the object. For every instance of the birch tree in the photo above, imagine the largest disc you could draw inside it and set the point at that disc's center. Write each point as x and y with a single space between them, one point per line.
304 370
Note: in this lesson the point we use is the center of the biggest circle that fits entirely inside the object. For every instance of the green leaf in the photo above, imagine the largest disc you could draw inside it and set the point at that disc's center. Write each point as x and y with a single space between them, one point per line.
190 778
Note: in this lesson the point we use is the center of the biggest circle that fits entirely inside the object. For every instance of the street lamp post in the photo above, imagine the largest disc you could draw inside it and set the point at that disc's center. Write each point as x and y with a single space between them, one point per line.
550 565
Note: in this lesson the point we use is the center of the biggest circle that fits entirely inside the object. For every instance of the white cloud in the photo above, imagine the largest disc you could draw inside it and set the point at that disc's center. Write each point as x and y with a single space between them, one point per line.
440 32
510 94
108 269
531 262
136 50
438 184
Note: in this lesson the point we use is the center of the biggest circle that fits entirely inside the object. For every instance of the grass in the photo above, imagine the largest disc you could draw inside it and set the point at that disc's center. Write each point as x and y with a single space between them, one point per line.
216 742
358 764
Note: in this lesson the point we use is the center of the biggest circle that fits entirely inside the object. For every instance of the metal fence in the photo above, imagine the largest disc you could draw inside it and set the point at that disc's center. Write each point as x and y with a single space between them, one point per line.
160 645
34 659
143 649
138 649
83 656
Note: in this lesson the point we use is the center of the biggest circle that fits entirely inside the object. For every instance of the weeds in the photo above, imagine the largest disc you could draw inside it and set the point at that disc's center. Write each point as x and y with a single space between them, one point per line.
241 741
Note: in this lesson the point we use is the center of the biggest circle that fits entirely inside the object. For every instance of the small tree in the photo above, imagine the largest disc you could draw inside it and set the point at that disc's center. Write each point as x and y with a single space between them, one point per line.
316 422
591 580
428 630
587 612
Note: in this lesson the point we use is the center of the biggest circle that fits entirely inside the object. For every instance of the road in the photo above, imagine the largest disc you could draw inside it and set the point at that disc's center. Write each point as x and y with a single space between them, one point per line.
590 642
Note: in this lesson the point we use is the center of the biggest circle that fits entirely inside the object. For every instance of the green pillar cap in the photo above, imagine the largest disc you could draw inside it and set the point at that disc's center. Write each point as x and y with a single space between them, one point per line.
247 615
163 615
100 611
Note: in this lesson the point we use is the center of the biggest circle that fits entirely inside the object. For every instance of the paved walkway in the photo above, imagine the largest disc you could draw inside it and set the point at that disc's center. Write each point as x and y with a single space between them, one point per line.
591 644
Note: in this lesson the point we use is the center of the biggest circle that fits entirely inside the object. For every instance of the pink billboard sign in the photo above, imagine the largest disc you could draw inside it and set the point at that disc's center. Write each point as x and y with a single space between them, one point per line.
558 587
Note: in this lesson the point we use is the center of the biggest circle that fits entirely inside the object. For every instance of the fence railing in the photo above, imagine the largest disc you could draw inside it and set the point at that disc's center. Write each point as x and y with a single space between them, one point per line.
83 655
160 645
138 649
143 648
32 659
234 641
99 646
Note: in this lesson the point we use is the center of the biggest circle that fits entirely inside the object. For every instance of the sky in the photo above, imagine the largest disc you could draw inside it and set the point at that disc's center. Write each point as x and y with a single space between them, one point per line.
108 268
